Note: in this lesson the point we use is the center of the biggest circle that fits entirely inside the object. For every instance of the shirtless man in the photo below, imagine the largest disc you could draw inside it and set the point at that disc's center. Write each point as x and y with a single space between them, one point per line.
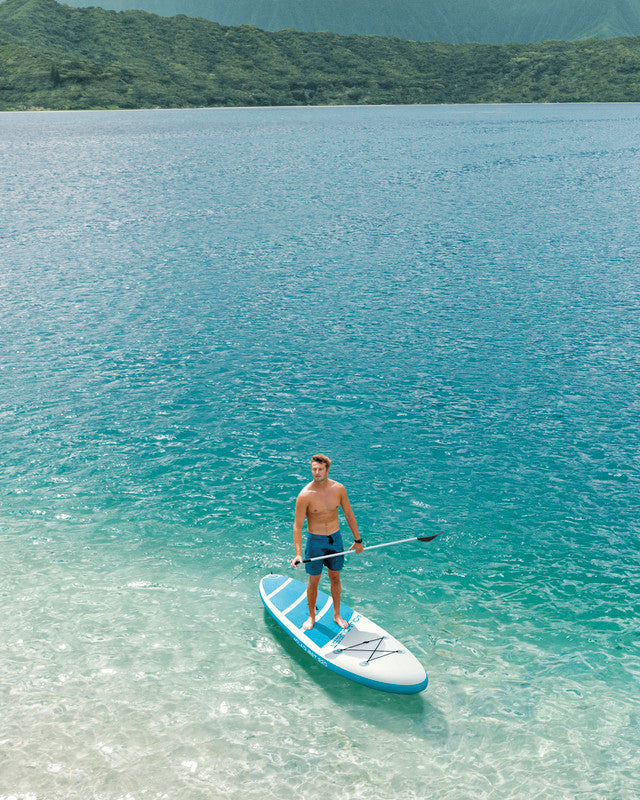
318 503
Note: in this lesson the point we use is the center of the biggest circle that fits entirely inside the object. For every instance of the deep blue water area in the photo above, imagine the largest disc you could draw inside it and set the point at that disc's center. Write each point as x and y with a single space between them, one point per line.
445 300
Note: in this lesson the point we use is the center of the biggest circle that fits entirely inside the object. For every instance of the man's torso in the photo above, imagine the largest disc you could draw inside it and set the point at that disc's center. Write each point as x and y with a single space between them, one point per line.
322 508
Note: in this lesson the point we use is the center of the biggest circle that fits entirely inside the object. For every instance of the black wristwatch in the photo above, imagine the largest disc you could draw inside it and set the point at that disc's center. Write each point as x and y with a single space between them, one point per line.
357 541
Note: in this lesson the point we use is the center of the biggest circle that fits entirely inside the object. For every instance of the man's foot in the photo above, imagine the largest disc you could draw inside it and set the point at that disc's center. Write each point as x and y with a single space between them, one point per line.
341 622
308 624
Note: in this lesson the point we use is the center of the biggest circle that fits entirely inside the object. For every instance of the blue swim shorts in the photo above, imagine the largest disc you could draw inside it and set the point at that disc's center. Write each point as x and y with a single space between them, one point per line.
324 546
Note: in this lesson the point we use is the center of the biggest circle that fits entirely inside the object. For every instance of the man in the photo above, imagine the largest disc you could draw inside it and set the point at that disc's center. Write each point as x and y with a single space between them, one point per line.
318 503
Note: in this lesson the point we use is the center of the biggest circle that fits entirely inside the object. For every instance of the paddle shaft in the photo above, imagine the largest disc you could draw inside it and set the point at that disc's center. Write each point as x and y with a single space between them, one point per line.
373 547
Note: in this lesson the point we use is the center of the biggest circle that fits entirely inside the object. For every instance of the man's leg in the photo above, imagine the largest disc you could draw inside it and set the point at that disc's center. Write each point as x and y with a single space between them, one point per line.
312 597
334 577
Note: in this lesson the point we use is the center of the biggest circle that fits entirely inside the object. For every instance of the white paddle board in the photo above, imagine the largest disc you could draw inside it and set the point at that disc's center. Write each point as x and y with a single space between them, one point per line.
363 651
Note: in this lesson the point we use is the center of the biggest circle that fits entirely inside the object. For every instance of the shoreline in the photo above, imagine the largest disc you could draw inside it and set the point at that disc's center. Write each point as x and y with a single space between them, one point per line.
497 104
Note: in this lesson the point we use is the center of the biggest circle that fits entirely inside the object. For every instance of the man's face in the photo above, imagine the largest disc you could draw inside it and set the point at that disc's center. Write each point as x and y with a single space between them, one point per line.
319 471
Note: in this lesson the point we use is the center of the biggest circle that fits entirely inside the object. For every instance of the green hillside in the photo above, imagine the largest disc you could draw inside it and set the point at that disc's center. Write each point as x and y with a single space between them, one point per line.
453 21
53 56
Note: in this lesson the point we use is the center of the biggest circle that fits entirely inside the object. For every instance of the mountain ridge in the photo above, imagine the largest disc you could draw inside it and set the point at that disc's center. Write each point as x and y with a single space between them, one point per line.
58 57
452 21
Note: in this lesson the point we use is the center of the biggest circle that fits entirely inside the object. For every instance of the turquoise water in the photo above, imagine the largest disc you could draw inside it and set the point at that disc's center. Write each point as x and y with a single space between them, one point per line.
443 299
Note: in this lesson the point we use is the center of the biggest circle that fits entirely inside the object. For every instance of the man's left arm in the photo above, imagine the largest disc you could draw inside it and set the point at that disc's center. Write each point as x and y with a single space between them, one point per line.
351 520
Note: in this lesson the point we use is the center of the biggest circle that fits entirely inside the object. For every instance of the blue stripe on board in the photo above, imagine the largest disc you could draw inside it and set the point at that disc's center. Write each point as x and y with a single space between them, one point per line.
325 629
288 595
271 582
298 615
322 632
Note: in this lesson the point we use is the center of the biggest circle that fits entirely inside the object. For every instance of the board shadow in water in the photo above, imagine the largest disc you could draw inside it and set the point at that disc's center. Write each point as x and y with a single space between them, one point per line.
412 714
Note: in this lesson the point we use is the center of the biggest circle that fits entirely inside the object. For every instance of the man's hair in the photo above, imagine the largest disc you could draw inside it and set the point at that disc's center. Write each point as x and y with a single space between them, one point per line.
322 459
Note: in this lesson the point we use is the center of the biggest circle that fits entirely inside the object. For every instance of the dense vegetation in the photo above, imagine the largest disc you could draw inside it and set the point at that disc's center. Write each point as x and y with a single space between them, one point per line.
453 21
53 56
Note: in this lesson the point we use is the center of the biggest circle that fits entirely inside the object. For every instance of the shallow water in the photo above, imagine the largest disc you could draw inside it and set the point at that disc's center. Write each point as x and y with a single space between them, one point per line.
443 299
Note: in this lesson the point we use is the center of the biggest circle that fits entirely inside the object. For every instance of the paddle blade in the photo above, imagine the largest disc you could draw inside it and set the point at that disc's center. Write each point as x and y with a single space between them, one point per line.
428 538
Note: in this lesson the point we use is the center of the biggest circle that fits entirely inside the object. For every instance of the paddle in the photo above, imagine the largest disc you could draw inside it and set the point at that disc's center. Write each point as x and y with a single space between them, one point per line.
373 547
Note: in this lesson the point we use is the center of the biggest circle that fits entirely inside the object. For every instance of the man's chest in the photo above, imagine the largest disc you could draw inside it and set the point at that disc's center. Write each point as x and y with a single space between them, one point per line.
325 503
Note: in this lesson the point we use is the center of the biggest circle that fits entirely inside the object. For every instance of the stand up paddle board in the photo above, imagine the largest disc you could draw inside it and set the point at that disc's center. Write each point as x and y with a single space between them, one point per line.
363 651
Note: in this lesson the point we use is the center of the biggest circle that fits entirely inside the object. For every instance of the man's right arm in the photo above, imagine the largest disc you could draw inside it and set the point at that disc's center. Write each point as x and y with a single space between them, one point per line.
298 522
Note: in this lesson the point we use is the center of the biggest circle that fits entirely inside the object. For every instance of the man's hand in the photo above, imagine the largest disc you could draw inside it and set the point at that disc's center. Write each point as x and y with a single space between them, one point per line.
357 546
297 560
